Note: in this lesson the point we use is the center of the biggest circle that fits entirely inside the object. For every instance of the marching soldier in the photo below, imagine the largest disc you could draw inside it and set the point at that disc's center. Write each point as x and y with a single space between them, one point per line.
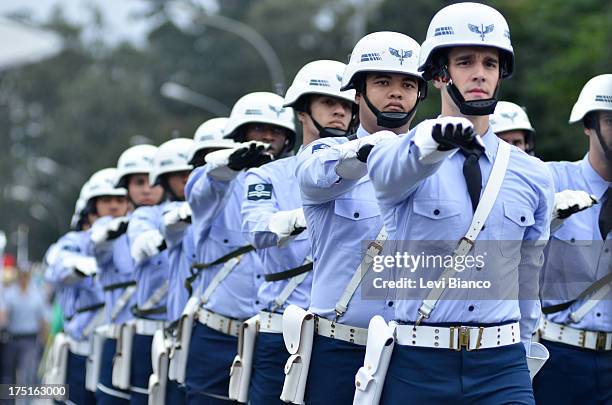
464 343
511 123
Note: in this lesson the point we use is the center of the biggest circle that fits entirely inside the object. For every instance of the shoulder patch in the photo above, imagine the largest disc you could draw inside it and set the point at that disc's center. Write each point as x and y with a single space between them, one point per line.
71 248
261 191
319 146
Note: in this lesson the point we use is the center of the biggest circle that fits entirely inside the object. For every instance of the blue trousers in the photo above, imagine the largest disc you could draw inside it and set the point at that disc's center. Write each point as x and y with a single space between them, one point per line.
175 393
208 365
140 369
268 375
75 378
434 376
107 393
331 377
574 376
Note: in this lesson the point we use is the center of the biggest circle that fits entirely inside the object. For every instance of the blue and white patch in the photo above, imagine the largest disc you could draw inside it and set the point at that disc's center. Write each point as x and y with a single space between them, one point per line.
261 191
319 82
509 116
72 248
368 57
319 146
482 30
605 99
444 31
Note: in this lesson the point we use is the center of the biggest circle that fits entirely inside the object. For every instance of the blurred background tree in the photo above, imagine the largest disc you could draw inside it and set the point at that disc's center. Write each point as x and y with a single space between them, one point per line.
64 118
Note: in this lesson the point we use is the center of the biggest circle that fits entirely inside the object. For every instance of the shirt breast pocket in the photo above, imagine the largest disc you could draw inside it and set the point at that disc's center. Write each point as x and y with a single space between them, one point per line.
435 217
356 220
517 218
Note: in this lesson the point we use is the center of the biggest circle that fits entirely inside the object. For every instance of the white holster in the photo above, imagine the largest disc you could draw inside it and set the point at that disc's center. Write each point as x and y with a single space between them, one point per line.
240 372
123 356
537 356
298 334
159 362
178 362
56 374
370 378
94 360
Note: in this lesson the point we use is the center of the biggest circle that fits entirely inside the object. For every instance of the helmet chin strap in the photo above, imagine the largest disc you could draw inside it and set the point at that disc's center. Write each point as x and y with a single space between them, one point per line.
328 132
389 119
604 146
473 107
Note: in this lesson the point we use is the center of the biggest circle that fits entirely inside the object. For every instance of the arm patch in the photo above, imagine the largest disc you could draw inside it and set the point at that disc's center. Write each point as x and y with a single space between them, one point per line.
319 146
261 191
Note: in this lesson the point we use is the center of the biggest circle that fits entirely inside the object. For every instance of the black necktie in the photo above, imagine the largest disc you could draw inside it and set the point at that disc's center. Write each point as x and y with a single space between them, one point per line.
473 177
605 216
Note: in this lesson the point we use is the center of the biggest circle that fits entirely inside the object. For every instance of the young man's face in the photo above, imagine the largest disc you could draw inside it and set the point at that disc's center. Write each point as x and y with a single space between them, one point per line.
474 71
605 129
516 138
113 205
329 112
388 92
271 134
177 181
141 193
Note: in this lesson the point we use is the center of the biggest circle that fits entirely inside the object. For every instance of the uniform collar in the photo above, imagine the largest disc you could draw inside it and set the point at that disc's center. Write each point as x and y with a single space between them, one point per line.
361 132
491 142
597 186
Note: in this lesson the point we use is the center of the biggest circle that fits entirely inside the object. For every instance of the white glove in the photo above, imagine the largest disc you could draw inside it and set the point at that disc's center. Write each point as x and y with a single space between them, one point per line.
112 230
218 160
428 147
82 266
567 203
178 218
349 165
147 245
287 225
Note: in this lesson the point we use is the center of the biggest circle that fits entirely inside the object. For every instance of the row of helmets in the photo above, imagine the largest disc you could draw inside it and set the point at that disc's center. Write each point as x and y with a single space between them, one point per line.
465 24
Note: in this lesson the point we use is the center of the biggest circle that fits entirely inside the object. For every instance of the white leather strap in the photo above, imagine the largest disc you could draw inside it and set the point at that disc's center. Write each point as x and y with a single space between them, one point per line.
219 277
155 298
458 337
270 322
334 330
373 250
122 301
590 303
586 339
79 347
148 327
480 216
219 322
293 283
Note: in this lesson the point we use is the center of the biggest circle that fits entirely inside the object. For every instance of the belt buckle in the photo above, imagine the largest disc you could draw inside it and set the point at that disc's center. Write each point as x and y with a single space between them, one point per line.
463 337
600 343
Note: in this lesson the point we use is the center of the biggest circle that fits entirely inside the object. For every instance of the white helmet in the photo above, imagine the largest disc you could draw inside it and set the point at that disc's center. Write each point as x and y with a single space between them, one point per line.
509 117
79 206
596 95
171 156
209 135
260 107
466 24
322 77
384 51
137 159
102 183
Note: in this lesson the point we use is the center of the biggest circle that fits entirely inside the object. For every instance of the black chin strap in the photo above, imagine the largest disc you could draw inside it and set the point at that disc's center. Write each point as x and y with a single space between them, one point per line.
472 107
327 132
389 119
604 146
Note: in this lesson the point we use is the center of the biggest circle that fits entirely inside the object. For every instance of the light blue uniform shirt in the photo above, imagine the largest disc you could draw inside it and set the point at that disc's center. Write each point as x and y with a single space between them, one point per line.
151 273
431 203
77 292
181 255
341 214
577 256
279 192
26 310
217 224
115 266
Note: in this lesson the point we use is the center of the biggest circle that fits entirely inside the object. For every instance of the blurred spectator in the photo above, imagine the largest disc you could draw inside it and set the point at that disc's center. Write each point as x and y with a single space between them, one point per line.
23 313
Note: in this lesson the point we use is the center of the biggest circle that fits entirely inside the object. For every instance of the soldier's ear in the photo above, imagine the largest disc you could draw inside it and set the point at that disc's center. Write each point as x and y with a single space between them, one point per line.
302 117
